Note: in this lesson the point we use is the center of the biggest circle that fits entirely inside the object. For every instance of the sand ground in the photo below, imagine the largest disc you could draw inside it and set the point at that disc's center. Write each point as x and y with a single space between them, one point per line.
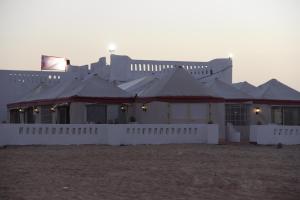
150 172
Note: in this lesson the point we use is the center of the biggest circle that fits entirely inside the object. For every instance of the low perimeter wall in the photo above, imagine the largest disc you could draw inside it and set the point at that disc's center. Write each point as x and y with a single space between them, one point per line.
112 134
274 134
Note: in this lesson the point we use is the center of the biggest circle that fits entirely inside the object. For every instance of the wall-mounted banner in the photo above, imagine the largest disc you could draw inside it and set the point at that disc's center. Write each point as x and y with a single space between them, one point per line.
53 63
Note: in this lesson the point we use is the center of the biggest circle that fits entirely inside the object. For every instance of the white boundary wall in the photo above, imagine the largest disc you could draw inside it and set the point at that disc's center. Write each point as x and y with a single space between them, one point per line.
112 134
274 134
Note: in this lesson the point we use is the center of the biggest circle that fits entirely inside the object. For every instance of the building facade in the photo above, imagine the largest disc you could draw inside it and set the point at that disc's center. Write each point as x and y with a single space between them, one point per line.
15 84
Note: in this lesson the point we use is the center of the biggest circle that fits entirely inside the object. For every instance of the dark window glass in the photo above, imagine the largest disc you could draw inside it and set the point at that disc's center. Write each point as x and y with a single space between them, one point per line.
46 115
63 115
14 116
29 117
236 114
285 115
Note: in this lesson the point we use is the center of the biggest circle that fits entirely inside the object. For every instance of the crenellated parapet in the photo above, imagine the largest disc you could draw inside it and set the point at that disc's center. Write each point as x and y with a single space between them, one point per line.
123 68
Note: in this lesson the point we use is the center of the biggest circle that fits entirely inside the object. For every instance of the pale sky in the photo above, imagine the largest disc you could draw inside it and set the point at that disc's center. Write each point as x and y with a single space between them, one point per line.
263 35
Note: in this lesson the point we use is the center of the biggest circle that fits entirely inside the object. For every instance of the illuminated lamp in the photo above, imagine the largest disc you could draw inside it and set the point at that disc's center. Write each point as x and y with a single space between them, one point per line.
144 107
36 110
52 109
21 110
257 110
123 108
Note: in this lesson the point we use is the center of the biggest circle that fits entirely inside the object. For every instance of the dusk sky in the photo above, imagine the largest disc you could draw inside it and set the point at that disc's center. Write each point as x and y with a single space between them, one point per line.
263 35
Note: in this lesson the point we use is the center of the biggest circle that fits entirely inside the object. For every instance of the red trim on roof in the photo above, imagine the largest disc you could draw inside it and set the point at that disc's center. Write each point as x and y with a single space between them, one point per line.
108 100
179 99
276 102
265 101
191 99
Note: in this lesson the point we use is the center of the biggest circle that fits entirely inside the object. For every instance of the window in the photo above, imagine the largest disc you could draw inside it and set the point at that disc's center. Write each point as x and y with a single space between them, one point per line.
285 115
46 115
105 114
63 115
237 114
115 115
14 116
29 117
276 115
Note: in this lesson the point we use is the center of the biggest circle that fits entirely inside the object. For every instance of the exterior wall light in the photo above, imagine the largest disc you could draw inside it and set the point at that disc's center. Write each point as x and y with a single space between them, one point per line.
123 108
52 109
21 110
144 107
257 110
36 110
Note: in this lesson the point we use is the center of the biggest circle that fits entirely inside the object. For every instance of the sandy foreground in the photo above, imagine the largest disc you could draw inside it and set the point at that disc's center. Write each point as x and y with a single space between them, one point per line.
150 172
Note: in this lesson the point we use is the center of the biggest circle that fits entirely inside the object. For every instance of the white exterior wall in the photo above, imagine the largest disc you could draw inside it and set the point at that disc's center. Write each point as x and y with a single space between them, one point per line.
116 134
188 113
183 113
50 134
101 68
173 113
157 113
264 117
274 134
124 69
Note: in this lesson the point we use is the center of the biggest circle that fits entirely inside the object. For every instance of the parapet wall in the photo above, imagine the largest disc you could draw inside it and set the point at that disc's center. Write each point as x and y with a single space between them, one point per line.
123 68
274 134
112 134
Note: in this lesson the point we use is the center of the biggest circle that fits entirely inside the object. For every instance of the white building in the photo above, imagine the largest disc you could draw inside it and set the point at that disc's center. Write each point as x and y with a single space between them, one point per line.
147 92
121 69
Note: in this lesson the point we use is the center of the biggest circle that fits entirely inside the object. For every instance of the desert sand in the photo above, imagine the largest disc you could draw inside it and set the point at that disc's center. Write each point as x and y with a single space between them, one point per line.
193 171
